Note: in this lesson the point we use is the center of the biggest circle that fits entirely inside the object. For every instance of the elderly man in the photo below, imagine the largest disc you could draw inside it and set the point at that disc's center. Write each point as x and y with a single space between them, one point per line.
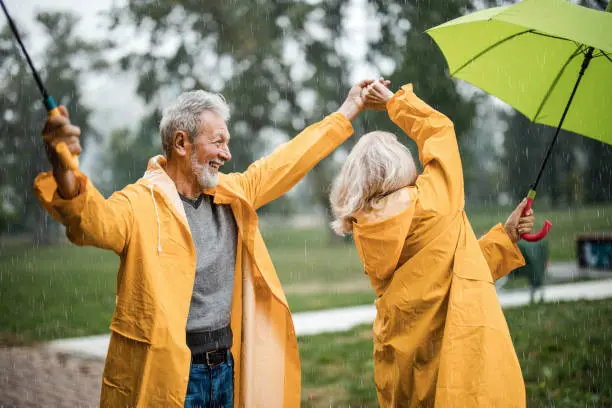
200 316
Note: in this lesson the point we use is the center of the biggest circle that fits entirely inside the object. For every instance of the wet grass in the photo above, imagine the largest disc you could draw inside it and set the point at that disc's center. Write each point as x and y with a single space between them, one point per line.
66 291
565 351
55 292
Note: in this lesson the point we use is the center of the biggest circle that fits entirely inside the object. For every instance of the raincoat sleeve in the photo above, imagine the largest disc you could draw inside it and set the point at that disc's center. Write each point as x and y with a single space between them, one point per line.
272 176
441 184
502 255
90 219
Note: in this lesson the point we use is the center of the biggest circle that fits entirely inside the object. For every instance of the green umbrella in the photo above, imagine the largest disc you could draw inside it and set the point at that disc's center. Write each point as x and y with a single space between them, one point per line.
550 59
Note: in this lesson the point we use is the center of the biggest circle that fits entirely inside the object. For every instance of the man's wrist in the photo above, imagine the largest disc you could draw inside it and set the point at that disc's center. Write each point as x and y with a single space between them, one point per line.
67 183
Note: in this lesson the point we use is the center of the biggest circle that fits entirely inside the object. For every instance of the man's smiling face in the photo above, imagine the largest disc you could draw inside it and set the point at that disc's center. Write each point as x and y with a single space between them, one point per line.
210 149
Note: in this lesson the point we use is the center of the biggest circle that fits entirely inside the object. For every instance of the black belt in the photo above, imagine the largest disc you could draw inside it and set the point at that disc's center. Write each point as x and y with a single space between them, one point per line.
211 358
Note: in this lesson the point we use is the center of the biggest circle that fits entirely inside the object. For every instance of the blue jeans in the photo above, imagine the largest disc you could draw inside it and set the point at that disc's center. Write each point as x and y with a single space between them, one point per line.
211 386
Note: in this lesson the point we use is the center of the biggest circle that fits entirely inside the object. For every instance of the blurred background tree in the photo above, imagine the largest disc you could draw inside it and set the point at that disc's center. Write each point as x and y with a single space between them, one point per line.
282 65
22 114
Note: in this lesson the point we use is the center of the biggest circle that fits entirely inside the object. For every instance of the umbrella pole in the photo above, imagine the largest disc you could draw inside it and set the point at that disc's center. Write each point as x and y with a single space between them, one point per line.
532 191
585 64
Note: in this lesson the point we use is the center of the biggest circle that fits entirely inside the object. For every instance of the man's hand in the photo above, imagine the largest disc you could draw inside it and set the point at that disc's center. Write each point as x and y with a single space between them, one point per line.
377 95
59 129
517 225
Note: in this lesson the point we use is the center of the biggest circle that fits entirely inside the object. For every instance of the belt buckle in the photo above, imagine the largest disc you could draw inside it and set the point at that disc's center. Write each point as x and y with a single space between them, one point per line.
208 353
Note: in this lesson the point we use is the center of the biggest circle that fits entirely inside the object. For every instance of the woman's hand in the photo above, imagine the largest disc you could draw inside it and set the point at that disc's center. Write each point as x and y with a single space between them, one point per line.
377 95
517 224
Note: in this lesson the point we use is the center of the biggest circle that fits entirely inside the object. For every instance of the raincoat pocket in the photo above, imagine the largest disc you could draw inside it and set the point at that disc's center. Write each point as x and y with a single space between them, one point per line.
134 320
475 304
472 265
124 371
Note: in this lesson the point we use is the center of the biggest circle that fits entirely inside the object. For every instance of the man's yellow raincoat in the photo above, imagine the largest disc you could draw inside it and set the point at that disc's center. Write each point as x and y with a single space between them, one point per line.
440 337
148 359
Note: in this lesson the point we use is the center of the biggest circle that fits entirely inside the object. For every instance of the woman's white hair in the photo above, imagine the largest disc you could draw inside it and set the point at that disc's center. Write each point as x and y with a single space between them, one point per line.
377 166
185 113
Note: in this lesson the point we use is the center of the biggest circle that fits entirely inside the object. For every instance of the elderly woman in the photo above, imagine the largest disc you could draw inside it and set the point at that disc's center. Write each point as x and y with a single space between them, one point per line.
440 337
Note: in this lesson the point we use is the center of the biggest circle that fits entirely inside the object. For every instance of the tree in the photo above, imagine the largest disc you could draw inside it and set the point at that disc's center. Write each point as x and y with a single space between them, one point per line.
236 49
23 116
413 56
125 157
241 50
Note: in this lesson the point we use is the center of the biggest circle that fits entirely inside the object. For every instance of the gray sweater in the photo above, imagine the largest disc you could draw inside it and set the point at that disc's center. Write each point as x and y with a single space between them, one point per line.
214 233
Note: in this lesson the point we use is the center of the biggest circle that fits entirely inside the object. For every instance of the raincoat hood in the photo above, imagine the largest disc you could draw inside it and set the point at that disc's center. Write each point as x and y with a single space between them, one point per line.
157 176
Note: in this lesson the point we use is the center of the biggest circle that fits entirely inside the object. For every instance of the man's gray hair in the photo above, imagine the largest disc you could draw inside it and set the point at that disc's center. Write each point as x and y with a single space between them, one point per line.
185 113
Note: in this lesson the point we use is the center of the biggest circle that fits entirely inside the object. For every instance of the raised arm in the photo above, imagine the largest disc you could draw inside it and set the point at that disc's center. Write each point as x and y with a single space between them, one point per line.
274 175
441 184
71 198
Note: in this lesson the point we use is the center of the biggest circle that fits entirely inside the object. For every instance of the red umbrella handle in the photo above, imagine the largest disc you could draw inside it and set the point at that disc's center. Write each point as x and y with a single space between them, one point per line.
545 229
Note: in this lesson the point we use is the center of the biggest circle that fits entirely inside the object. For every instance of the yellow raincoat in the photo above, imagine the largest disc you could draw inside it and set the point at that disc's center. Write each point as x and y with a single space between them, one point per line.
440 337
148 360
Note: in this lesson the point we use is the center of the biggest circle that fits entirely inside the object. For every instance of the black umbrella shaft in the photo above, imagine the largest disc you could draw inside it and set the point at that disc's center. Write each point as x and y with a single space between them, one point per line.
41 87
585 63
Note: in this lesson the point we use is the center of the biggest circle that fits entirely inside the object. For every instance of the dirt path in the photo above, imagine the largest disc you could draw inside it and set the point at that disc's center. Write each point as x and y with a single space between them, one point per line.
34 377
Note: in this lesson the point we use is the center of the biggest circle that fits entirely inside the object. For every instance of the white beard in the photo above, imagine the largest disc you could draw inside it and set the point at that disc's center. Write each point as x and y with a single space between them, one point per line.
206 179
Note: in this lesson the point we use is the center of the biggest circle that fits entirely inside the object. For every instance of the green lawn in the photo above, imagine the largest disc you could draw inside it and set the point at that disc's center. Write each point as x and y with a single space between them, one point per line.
565 351
66 291
53 292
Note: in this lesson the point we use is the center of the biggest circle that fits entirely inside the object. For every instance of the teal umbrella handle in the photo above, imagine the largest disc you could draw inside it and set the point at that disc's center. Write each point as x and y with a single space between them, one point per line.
545 228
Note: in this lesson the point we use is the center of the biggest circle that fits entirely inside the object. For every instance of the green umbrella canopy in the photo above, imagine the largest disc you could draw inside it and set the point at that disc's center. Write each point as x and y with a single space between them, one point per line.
530 55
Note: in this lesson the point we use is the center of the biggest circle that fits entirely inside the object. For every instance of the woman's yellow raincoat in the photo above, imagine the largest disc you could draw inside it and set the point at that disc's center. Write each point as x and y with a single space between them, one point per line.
148 359
440 337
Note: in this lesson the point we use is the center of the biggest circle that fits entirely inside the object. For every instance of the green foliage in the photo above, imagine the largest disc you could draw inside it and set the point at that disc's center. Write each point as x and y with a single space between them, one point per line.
127 154
240 50
225 47
22 116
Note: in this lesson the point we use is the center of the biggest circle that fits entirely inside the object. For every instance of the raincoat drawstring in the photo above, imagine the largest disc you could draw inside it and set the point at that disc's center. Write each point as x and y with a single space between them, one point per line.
159 248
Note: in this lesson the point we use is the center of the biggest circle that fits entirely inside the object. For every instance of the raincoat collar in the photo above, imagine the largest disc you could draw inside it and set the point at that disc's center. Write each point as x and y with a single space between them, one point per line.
157 176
